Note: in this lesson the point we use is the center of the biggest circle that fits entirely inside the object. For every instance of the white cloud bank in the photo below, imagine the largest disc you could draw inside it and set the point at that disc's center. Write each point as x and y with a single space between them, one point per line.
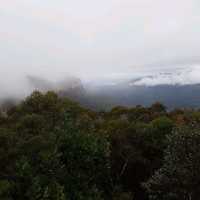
97 38
181 76
93 37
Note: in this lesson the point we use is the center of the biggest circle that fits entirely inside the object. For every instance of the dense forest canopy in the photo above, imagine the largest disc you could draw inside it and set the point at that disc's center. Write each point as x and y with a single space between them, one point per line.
51 148
99 100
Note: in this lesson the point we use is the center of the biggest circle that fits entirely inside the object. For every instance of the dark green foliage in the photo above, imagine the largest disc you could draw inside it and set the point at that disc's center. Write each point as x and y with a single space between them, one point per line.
45 156
85 160
158 107
51 148
179 177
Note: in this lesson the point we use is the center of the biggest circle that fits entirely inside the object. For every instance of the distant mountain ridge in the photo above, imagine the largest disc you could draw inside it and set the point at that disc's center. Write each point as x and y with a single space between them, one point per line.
70 87
43 85
170 95
166 87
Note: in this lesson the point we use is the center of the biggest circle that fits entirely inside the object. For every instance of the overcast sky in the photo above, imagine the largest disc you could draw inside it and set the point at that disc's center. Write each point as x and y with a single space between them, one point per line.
90 38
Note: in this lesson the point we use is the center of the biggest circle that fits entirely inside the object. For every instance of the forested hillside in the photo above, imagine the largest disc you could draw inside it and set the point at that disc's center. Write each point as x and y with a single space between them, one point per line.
126 94
51 148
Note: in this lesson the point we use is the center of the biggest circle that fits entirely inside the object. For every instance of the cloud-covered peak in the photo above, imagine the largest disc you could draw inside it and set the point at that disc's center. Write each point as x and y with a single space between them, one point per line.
178 76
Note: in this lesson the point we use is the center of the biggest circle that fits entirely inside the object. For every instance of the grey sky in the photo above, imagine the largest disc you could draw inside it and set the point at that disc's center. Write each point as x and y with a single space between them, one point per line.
94 38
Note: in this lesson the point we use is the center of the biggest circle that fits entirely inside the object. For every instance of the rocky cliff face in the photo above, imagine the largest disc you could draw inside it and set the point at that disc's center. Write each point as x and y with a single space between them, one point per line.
70 87
43 85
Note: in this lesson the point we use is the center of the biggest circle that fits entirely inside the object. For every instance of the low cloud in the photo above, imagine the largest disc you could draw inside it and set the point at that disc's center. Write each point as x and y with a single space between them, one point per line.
98 40
182 76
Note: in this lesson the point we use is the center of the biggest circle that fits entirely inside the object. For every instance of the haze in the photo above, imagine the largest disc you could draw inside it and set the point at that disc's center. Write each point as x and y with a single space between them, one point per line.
94 39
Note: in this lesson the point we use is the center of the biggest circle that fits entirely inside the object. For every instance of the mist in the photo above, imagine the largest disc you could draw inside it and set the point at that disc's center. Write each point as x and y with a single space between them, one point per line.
98 42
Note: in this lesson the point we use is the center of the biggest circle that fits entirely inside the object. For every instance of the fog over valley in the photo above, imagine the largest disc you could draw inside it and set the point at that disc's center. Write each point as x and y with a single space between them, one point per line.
99 99
99 46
